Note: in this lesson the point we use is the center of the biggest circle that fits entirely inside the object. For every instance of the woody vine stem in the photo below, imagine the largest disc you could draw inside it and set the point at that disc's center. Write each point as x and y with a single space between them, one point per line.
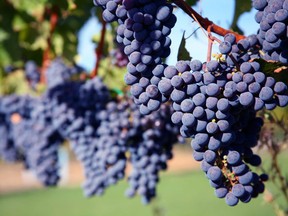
204 22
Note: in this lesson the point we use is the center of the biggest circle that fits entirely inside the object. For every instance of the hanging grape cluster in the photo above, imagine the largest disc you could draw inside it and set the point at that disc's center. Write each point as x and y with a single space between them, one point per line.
214 103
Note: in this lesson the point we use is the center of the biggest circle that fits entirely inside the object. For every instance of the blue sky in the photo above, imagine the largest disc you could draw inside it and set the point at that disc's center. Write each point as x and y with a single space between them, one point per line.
220 12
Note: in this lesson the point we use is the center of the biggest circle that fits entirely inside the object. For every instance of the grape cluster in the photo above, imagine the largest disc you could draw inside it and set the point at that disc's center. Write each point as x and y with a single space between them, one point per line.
118 56
107 163
246 81
113 10
156 135
8 151
101 132
42 154
125 135
35 128
58 73
14 111
273 19
29 136
226 166
216 105
32 73
9 69
104 134
76 119
144 27
73 108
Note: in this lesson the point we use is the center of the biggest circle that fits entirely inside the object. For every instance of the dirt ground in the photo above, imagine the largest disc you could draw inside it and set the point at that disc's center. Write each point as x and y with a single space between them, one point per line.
14 178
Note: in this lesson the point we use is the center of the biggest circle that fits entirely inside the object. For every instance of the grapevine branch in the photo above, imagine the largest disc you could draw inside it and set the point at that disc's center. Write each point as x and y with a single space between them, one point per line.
281 178
274 153
46 55
204 22
99 49
274 150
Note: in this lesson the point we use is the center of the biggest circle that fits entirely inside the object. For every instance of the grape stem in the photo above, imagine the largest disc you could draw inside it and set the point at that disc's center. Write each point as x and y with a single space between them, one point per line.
99 49
275 165
210 44
234 61
211 40
205 22
274 151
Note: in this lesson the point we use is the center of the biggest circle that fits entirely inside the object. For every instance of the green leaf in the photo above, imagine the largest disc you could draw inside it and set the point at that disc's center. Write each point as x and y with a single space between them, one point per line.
58 44
183 53
27 5
19 23
3 35
112 76
274 69
16 83
25 29
192 2
241 6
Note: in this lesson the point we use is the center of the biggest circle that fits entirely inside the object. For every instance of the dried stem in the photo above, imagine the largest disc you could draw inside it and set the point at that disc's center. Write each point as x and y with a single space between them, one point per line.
204 22
99 49
274 148
275 165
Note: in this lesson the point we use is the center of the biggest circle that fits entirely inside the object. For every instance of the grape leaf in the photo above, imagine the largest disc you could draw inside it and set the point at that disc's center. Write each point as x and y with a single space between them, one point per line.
241 6
192 2
183 53
30 6
112 76
24 28
274 69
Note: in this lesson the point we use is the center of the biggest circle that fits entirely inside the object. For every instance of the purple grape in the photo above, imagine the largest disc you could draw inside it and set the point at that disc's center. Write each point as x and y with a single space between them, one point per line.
212 90
188 119
246 178
266 94
214 173
223 104
246 99
212 127
280 87
233 157
214 144
210 156
199 99
212 65
187 105
259 4
279 28
221 192
199 112
225 47
238 190
231 200
177 81
176 117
